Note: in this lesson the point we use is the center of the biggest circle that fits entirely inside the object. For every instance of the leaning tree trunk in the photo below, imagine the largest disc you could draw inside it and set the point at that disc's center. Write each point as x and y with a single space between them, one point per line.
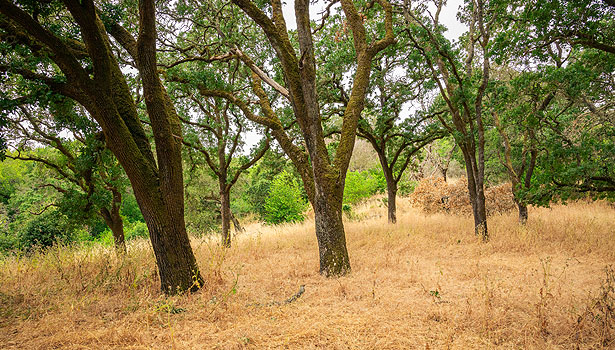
225 214
114 221
238 227
334 260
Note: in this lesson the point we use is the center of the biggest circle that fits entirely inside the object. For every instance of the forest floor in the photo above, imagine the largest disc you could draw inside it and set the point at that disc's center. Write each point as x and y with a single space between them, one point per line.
425 283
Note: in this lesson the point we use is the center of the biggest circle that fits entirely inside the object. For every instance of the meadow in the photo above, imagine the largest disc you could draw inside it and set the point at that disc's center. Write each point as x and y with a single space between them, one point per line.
424 283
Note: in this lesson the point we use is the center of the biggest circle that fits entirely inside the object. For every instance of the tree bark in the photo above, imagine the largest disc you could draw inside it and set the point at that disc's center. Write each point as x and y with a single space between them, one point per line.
480 218
391 188
334 260
225 214
476 192
522 213
392 206
390 179
176 262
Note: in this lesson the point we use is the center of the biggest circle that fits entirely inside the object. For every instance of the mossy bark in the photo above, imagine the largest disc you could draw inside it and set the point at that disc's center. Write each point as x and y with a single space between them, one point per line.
334 259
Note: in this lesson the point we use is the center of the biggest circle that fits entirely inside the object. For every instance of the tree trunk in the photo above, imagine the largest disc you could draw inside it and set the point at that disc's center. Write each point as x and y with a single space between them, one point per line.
115 223
477 194
162 201
444 171
392 207
225 214
176 262
522 213
480 217
391 183
334 260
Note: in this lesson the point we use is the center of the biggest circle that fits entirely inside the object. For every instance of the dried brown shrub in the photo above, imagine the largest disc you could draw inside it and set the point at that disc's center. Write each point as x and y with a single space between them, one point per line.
434 195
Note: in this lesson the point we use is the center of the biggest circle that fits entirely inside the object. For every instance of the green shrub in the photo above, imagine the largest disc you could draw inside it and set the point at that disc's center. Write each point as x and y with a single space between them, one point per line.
360 185
45 230
106 238
133 230
284 202
405 188
130 209
136 229
381 181
7 242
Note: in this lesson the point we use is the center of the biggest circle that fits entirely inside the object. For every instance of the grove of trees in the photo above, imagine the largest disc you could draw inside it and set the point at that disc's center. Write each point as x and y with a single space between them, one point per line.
132 118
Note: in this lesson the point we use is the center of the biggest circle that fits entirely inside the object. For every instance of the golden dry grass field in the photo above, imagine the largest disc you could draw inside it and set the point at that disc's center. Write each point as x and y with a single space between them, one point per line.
425 283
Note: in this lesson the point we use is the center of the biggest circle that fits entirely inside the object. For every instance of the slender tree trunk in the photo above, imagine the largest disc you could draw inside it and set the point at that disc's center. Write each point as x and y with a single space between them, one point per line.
477 194
527 182
391 184
225 214
334 260
480 219
522 213
447 163
443 172
392 206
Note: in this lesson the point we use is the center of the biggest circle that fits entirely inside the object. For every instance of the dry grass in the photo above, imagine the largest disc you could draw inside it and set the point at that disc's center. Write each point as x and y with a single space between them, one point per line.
425 283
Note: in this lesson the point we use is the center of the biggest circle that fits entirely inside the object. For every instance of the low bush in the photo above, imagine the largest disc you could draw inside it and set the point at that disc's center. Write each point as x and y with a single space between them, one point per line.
361 185
284 202
7 242
44 231
137 229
